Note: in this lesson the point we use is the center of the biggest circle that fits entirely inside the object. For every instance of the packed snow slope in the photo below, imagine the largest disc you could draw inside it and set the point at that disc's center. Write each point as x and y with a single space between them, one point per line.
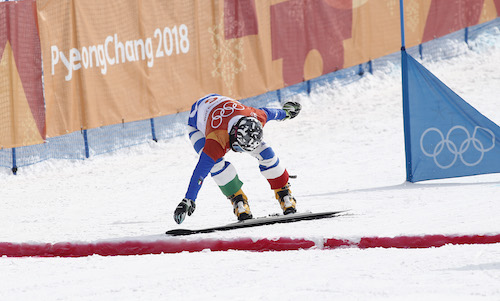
347 150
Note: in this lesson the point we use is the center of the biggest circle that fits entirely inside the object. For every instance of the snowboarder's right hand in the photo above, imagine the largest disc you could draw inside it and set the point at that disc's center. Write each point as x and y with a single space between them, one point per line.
292 109
185 206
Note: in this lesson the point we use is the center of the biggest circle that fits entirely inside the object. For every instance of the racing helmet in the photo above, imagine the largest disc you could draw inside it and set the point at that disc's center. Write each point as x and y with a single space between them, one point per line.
246 134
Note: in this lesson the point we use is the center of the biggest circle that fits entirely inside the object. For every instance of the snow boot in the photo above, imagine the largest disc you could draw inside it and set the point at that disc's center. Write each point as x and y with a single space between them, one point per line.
286 200
240 205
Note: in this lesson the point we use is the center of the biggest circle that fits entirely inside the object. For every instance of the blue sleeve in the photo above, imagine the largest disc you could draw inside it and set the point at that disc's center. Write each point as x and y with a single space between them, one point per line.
205 164
274 114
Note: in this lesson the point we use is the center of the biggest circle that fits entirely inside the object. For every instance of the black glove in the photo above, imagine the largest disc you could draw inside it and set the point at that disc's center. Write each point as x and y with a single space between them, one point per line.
292 109
185 206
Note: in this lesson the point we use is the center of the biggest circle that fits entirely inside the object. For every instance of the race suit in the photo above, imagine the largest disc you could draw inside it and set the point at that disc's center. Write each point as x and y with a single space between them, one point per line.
210 121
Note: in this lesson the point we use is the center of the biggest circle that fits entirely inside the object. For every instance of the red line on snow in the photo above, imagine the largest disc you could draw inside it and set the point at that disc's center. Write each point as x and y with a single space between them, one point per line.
413 242
175 245
136 247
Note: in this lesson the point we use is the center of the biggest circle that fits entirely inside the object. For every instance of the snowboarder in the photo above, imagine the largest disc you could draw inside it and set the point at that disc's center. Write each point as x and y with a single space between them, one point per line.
218 124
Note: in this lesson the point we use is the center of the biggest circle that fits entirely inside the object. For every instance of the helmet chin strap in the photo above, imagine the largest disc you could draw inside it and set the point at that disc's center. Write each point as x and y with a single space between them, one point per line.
232 122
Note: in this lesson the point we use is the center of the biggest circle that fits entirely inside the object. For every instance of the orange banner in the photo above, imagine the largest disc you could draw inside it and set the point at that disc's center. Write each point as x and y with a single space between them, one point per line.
22 115
108 62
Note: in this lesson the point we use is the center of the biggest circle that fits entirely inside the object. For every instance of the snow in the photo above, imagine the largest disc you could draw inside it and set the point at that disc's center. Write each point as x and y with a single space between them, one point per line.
347 149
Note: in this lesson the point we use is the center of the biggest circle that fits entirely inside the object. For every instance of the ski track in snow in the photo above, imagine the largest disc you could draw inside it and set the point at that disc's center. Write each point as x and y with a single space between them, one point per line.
347 149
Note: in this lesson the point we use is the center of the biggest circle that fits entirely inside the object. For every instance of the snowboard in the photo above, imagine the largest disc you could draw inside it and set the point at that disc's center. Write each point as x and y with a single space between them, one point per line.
260 221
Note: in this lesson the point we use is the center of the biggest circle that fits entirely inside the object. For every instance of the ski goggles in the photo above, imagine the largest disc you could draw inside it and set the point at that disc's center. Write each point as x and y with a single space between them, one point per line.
237 148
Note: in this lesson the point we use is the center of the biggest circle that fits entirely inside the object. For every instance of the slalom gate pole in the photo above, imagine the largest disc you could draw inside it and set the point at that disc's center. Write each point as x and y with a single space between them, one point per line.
406 104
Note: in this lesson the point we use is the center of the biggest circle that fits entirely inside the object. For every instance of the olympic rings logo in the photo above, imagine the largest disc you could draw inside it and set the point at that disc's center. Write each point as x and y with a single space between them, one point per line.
226 110
458 151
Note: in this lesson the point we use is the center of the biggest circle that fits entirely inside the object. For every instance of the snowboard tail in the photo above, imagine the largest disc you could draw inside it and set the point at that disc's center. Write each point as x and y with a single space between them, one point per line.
260 221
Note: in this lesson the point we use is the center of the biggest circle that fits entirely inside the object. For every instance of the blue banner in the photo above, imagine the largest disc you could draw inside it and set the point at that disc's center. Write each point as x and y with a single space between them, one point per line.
445 136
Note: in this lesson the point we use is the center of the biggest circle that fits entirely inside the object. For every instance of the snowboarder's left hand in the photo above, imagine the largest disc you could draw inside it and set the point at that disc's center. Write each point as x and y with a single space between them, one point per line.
185 206
292 109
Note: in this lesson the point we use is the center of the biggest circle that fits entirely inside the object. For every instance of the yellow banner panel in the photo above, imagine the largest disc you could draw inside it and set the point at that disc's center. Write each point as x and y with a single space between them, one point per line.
114 61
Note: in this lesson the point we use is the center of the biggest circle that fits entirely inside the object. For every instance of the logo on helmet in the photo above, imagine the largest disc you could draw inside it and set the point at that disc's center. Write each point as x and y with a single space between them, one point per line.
246 134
